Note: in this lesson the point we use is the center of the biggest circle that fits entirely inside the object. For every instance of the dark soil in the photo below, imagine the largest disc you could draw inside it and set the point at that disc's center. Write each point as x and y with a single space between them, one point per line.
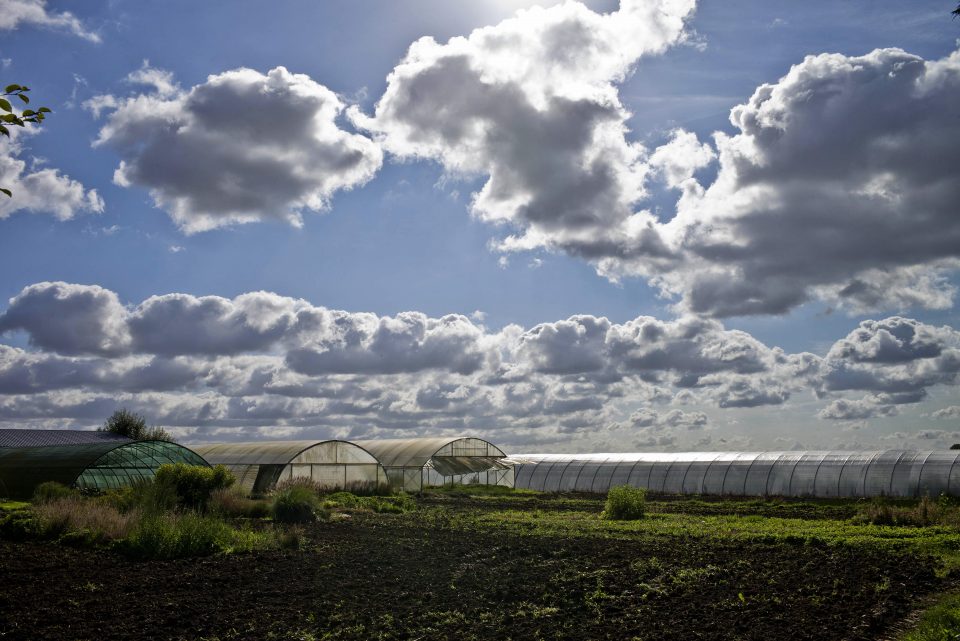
400 577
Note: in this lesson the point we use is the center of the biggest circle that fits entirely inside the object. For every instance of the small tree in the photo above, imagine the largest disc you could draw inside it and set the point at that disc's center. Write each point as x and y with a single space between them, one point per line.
123 422
9 115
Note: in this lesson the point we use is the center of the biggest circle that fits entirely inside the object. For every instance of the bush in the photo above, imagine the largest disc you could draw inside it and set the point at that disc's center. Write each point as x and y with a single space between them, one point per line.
233 503
52 491
625 503
192 484
297 504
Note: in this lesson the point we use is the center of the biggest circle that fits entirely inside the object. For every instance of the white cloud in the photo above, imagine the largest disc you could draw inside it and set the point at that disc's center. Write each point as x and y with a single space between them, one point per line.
531 103
261 361
40 189
34 12
947 412
845 159
239 148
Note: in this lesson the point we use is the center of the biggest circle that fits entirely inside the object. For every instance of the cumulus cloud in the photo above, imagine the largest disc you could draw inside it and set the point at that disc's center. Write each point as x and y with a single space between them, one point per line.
673 418
34 12
531 104
69 318
848 410
40 189
947 412
261 361
845 158
241 147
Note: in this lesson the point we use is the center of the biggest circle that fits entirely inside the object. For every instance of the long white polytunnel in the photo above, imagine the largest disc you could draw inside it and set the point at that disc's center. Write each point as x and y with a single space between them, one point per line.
896 473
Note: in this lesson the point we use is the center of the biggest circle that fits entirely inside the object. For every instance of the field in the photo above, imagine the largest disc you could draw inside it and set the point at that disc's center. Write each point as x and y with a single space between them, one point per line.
507 566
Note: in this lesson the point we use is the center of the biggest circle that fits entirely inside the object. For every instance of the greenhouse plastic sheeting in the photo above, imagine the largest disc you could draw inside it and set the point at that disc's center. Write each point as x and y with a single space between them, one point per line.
414 463
899 473
260 465
98 466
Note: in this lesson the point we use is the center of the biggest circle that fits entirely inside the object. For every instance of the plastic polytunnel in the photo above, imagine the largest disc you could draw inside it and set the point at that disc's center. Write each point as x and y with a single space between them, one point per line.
897 473
412 464
92 466
260 465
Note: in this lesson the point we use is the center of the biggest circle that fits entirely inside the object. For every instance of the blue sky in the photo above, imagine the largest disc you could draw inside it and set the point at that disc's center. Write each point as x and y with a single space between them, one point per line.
407 238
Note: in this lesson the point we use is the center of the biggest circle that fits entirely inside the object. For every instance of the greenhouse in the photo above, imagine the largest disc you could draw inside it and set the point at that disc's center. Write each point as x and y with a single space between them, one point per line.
412 464
92 466
260 465
897 473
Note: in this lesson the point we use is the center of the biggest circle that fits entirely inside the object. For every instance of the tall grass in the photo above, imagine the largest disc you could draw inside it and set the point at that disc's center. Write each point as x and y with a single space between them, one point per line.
172 536
100 521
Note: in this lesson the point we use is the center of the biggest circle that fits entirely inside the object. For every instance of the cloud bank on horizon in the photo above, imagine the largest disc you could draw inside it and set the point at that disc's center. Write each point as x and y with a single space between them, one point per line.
836 183
261 360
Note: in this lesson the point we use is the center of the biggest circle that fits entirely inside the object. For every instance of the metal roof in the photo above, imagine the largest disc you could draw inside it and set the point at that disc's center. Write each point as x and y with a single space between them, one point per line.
49 438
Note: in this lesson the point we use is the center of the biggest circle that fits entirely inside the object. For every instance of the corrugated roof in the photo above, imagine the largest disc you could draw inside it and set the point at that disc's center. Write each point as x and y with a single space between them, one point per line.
50 438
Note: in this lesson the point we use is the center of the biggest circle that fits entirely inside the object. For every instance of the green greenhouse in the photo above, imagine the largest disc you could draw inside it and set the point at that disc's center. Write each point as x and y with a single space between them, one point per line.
88 466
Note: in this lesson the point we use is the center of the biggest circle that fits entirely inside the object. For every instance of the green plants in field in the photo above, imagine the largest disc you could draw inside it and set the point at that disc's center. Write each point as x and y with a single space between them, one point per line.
171 536
625 503
940 622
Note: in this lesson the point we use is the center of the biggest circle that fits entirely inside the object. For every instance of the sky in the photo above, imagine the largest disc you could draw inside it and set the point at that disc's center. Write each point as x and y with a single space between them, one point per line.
652 225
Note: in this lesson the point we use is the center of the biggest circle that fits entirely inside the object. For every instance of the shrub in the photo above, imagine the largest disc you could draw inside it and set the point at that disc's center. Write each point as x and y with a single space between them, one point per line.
233 503
19 525
291 538
625 503
297 504
51 491
192 484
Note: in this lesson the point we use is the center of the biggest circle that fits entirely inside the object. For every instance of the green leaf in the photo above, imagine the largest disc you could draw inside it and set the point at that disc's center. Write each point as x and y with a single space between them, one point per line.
22 97
9 118
7 192
28 112
4 131
5 105
44 110
11 88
